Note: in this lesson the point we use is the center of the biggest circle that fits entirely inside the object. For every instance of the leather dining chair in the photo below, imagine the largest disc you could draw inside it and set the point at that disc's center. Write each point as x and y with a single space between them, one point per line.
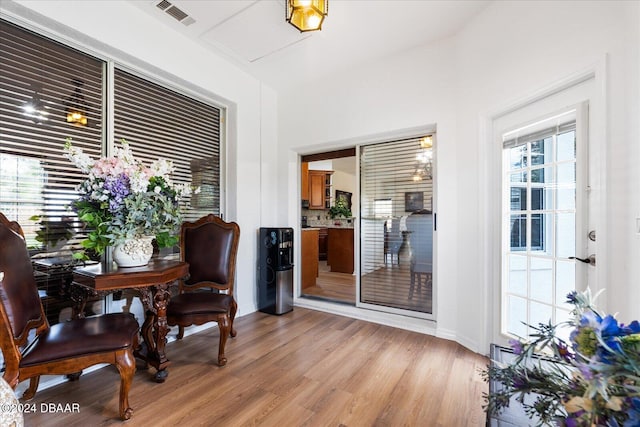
62 349
209 245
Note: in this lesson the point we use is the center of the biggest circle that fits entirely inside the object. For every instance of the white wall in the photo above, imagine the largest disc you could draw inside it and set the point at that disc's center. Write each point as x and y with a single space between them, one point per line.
251 123
509 51
406 94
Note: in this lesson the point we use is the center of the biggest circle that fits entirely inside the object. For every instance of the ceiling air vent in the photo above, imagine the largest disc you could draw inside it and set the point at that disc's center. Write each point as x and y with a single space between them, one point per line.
176 13
163 5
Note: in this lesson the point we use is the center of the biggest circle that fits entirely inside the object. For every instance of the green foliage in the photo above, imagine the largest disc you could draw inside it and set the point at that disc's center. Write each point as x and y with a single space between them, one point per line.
340 209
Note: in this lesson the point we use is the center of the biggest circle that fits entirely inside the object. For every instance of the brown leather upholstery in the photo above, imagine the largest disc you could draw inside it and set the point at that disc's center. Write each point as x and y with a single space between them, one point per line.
90 335
210 246
62 349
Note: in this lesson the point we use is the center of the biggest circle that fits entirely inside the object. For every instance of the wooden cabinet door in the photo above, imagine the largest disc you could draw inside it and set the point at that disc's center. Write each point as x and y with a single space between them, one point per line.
316 190
304 173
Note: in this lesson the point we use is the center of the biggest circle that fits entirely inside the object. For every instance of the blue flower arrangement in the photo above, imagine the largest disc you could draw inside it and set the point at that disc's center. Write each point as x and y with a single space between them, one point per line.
592 380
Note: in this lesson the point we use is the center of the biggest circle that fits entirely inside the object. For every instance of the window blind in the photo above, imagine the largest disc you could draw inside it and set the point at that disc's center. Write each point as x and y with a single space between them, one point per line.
38 78
159 122
387 172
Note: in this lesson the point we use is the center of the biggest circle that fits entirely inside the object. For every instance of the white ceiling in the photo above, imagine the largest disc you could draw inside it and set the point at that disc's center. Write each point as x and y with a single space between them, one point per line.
255 35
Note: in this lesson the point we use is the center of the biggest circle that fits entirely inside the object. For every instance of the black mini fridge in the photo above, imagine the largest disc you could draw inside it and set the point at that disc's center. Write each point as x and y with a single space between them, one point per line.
275 265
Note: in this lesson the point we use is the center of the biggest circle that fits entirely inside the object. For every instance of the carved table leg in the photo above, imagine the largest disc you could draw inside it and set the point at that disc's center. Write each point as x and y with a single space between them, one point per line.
155 328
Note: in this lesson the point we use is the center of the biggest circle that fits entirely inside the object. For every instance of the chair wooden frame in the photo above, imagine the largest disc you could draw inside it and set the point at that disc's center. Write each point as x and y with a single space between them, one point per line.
225 319
14 345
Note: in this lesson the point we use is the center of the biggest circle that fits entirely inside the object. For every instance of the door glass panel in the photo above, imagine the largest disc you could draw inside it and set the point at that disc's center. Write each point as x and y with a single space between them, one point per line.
541 151
565 278
517 312
397 243
518 274
540 313
566 146
565 234
540 219
542 279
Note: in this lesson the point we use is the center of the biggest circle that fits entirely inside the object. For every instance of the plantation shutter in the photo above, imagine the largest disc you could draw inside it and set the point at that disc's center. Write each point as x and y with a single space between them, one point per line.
38 80
161 123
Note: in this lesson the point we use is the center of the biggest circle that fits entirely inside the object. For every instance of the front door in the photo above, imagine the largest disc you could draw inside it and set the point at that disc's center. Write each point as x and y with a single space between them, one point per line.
546 225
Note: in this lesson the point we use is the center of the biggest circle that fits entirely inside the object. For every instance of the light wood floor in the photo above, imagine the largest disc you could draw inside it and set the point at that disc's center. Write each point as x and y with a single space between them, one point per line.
388 285
305 368
339 287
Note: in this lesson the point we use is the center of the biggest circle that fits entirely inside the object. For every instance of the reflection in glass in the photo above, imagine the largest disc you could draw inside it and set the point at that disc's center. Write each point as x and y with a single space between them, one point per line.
518 156
541 151
518 232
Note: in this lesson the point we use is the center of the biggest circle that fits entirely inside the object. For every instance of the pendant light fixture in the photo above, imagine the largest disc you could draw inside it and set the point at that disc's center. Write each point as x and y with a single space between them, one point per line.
76 107
35 108
424 159
307 15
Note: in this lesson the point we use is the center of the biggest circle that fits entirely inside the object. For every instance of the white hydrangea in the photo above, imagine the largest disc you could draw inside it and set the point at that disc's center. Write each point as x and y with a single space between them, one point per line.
139 181
163 168
81 160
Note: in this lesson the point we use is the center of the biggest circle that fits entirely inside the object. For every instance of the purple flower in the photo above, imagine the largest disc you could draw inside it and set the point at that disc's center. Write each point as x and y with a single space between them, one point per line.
118 188
516 346
564 352
572 297
570 421
586 371
519 383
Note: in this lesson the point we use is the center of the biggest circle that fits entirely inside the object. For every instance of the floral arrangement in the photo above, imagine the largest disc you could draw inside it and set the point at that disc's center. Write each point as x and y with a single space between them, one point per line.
592 380
124 199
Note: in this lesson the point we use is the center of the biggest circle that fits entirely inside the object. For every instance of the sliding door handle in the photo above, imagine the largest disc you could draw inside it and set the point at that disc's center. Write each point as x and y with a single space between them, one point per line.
591 260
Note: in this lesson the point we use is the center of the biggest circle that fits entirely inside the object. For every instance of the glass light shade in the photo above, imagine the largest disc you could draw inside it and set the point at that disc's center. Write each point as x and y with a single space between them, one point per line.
307 15
76 106
76 117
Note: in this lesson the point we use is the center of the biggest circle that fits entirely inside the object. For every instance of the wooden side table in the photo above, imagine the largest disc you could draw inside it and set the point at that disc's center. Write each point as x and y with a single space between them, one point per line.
152 281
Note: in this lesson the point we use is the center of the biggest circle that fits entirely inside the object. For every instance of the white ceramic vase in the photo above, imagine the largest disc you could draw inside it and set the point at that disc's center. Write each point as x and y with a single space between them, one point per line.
133 252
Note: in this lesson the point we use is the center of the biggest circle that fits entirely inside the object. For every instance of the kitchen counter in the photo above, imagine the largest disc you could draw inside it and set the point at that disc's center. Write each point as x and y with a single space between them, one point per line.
340 250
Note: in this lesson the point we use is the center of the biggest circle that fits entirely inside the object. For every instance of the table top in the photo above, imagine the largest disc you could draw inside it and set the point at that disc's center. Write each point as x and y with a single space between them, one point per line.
108 276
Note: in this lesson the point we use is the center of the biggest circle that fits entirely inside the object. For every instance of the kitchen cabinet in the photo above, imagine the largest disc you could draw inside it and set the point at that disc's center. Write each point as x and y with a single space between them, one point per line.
309 253
304 174
323 237
340 250
319 189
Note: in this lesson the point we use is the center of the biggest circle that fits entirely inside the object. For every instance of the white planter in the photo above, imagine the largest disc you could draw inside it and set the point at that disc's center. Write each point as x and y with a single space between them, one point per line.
133 252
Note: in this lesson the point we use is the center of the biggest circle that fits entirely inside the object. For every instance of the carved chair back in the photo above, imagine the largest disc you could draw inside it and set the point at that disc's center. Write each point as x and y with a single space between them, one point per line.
21 309
210 246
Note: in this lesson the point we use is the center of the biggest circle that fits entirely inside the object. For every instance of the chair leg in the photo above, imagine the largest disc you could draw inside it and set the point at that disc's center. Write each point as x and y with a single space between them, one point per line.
33 387
180 332
224 324
413 282
126 364
232 315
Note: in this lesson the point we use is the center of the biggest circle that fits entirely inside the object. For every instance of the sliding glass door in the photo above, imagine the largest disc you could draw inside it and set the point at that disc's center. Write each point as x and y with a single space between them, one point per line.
397 225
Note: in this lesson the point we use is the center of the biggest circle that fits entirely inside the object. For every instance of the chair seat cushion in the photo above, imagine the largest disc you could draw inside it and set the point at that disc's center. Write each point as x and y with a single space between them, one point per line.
79 337
198 303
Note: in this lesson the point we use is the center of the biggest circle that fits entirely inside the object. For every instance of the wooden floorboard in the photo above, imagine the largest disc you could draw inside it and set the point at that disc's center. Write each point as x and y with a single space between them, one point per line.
388 285
304 368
